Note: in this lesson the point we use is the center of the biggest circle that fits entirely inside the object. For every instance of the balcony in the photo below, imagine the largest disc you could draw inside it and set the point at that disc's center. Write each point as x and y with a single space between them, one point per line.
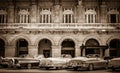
60 25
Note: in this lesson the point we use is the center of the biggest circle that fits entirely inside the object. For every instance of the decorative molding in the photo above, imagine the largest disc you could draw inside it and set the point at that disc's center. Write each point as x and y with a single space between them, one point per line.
68 11
23 12
3 12
45 12
90 12
113 11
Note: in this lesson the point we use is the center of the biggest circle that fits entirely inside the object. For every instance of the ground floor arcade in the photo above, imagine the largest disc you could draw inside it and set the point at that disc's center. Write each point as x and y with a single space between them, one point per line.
47 47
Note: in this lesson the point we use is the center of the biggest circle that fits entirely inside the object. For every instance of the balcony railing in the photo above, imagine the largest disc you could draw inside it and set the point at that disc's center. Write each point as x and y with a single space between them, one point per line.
60 25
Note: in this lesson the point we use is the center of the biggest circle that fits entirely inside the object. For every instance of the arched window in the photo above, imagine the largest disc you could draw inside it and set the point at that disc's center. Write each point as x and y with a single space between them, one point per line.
2 47
45 47
92 47
3 16
113 16
45 15
68 47
90 16
21 47
23 16
68 15
114 47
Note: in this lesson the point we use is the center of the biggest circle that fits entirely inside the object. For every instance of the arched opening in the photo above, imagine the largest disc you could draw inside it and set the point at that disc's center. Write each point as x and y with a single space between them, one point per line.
114 47
45 48
2 48
68 47
92 47
21 47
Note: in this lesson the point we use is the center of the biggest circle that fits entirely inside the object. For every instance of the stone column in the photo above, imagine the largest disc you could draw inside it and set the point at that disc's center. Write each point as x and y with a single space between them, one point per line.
107 53
33 13
103 9
11 13
32 50
77 51
56 51
101 52
10 51
80 13
83 52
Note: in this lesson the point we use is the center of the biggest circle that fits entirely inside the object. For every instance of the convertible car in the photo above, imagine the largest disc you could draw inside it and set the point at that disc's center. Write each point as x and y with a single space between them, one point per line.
87 63
22 61
56 63
114 64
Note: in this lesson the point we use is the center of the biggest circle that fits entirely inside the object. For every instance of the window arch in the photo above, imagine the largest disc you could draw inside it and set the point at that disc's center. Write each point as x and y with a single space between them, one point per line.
114 47
90 16
3 16
23 15
21 47
2 47
90 47
68 15
113 16
45 15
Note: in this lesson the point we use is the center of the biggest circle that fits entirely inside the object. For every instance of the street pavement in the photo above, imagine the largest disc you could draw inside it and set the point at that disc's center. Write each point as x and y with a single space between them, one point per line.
8 70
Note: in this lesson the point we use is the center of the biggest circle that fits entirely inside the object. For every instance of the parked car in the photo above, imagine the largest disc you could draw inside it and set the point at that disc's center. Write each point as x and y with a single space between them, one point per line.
5 62
27 61
114 64
22 61
57 63
87 63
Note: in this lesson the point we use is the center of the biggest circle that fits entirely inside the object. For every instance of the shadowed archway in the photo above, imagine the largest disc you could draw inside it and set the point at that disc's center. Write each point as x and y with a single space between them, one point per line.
2 48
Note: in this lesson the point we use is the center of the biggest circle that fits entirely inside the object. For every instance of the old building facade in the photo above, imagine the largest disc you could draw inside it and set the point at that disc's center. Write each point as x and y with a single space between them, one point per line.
55 27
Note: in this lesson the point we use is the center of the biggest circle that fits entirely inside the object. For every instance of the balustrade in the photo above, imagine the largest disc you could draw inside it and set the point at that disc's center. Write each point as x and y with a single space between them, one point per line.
60 25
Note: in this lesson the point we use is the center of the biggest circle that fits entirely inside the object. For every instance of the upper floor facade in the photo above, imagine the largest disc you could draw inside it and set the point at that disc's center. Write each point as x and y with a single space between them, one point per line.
80 14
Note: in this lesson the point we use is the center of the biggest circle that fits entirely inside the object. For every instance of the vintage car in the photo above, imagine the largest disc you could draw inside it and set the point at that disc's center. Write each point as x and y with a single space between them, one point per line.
22 61
4 62
114 64
27 61
56 63
86 63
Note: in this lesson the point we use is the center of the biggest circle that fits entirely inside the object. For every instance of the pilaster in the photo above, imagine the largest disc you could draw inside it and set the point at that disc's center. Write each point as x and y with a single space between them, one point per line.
10 51
107 53
103 9
56 51
77 51
33 13
32 50
56 15
11 13
80 12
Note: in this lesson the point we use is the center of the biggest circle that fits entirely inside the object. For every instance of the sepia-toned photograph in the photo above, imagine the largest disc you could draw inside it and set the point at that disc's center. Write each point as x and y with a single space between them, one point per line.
59 36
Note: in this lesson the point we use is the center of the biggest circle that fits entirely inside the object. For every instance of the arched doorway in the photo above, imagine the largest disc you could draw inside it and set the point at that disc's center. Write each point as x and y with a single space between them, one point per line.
68 47
114 47
92 47
44 47
2 48
21 47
